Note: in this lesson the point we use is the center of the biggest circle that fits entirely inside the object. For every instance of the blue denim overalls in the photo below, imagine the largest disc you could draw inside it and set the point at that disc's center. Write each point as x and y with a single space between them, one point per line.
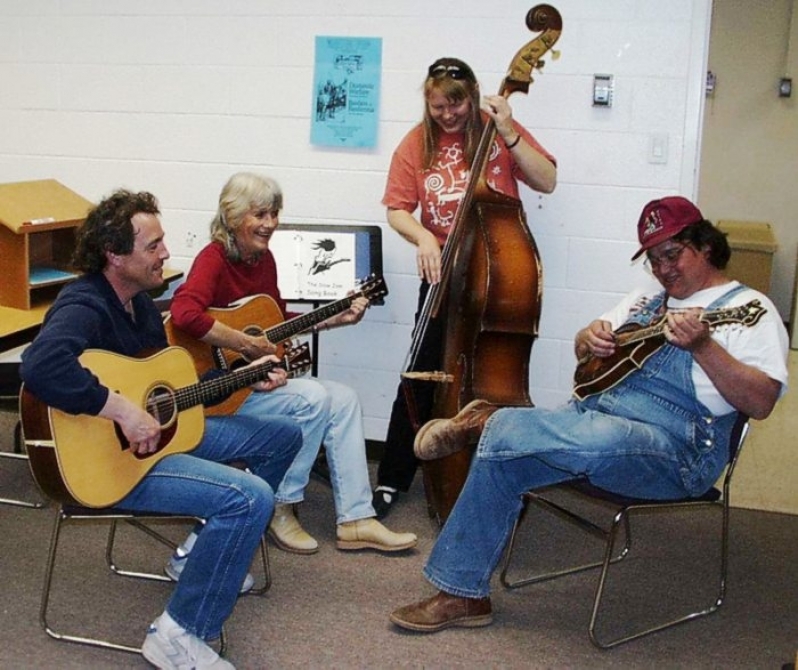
646 437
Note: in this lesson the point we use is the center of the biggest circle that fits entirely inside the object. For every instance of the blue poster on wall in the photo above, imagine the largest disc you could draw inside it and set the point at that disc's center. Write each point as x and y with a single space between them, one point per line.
346 91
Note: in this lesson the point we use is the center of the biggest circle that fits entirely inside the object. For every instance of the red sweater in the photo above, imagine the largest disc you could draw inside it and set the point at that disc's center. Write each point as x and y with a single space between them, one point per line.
215 281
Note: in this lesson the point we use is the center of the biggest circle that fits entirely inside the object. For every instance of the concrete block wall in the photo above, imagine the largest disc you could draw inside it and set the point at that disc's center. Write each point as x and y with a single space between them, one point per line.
173 97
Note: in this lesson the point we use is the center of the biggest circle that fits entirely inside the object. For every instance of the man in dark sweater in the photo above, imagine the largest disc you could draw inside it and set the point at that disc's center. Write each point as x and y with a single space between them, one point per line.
121 250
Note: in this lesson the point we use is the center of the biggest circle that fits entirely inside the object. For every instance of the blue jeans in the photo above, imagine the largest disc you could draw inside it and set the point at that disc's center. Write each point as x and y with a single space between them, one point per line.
235 505
646 437
328 413
529 448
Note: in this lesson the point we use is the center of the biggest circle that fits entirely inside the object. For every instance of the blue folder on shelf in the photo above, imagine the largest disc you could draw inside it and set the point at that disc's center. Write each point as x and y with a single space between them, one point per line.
39 276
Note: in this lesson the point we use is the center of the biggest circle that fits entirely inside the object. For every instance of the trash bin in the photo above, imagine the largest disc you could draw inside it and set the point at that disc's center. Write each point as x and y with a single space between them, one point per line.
753 245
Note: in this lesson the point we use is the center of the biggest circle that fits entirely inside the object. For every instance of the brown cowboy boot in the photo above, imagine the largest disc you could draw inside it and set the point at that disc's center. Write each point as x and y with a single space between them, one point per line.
443 611
441 437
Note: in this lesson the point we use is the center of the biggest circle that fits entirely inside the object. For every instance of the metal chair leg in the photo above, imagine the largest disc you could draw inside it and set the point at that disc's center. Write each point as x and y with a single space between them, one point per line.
137 523
621 524
16 502
582 523
60 519
623 517
43 610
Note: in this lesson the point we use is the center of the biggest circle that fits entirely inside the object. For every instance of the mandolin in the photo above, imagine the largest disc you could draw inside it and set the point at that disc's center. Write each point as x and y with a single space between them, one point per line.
635 344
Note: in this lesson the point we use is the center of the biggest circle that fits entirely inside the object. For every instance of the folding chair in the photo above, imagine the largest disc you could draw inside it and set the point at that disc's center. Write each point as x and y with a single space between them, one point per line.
141 521
40 445
624 509
9 400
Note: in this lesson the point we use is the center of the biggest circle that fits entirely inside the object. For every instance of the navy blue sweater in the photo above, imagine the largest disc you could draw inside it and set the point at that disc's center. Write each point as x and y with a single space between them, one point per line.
86 315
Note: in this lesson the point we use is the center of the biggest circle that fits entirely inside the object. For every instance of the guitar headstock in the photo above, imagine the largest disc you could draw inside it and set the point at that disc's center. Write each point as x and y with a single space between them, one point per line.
373 288
297 359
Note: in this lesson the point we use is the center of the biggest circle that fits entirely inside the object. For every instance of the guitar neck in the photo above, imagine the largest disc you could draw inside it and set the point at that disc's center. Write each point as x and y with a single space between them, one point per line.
299 324
751 310
622 339
221 386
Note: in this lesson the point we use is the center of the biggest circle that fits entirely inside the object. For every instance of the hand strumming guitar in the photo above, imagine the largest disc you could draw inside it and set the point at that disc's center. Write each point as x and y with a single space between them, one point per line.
595 339
141 429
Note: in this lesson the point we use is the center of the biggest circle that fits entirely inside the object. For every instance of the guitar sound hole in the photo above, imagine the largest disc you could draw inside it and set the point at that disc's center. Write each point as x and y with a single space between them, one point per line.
254 331
238 364
161 405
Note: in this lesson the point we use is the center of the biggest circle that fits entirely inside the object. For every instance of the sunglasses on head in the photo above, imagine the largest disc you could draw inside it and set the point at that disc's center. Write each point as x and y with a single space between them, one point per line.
452 71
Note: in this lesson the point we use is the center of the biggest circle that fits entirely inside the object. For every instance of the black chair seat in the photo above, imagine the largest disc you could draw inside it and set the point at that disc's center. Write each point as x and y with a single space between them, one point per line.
585 487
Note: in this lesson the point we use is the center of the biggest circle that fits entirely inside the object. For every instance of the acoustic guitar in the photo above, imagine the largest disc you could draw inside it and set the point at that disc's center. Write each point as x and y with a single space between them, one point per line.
260 315
636 344
86 460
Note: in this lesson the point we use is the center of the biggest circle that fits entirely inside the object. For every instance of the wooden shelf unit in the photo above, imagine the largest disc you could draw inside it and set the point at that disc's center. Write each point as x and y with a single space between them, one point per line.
39 221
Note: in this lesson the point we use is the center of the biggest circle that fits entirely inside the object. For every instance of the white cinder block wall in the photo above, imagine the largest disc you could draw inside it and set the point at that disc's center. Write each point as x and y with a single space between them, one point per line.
172 97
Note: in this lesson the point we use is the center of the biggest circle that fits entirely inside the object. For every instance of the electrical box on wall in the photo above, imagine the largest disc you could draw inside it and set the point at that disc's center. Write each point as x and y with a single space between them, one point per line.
602 90
712 82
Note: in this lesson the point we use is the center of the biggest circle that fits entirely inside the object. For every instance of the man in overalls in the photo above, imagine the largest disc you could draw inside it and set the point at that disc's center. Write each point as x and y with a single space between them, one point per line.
660 431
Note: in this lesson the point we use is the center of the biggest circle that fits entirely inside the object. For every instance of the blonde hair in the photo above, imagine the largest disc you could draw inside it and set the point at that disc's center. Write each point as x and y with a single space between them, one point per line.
242 193
455 80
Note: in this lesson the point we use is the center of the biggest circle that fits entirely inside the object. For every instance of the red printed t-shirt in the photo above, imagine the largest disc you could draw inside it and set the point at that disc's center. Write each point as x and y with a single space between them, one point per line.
438 191
215 281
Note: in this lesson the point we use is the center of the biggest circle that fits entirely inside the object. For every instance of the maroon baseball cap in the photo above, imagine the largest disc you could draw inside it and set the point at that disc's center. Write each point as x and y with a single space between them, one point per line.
664 218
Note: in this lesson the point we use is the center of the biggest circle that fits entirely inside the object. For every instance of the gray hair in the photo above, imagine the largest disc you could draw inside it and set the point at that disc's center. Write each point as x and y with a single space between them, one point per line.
242 193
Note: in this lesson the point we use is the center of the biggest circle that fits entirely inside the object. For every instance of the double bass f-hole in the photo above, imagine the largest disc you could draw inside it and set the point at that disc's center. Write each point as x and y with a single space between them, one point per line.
490 292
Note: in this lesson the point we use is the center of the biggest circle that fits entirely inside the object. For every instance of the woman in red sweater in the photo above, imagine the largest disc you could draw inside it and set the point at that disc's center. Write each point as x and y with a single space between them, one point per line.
236 264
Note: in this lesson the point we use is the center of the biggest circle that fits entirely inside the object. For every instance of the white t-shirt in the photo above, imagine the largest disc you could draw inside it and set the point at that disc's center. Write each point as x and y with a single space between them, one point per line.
763 345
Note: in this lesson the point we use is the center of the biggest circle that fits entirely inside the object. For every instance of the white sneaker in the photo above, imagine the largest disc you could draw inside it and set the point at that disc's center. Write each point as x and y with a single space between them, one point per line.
174 567
170 647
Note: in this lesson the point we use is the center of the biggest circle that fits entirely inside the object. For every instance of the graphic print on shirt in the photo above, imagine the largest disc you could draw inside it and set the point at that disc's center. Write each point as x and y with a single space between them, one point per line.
494 168
446 182
445 185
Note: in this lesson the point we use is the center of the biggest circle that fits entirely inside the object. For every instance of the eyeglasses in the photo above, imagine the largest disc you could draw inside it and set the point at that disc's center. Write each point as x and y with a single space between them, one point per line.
668 258
452 71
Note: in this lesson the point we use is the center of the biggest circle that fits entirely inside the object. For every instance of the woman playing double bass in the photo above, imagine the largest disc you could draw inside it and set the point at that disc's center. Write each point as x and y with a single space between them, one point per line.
428 177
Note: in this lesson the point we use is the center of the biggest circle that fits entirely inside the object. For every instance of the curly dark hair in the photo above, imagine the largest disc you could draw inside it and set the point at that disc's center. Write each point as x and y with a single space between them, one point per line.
704 234
108 228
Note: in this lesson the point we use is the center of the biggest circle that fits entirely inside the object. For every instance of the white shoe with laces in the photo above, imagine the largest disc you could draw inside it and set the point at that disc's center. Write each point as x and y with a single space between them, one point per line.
168 646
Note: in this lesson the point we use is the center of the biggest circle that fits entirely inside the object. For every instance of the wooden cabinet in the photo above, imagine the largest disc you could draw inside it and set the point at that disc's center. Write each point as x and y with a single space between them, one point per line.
37 237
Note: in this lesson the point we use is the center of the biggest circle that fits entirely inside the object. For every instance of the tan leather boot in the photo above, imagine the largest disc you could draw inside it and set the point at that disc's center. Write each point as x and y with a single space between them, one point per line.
441 437
288 535
371 534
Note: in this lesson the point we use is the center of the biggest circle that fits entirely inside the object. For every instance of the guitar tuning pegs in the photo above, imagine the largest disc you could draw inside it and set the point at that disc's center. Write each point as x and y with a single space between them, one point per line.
539 65
555 54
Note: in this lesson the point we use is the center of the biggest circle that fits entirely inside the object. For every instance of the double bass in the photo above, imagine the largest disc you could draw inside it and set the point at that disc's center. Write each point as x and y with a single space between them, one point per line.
489 294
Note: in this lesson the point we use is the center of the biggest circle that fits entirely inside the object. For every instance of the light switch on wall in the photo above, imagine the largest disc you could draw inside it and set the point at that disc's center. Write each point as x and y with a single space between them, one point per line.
658 148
